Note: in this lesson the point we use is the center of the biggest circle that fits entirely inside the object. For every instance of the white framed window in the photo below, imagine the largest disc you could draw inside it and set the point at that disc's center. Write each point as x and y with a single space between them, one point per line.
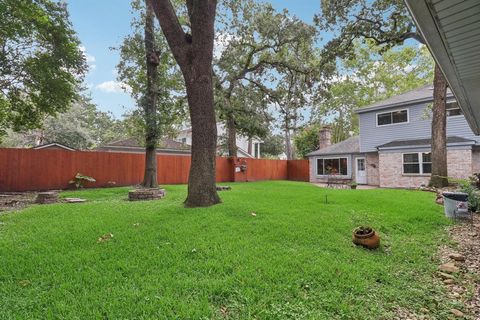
332 166
392 117
453 109
417 163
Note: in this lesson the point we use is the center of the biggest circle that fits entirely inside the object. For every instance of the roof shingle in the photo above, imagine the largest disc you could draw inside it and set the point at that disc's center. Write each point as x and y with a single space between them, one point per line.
423 142
424 93
351 145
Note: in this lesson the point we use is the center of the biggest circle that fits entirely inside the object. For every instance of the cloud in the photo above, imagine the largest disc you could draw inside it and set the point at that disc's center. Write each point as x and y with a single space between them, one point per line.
113 87
89 58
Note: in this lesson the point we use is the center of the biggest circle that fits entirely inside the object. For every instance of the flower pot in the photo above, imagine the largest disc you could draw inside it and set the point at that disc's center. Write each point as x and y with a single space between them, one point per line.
353 187
366 237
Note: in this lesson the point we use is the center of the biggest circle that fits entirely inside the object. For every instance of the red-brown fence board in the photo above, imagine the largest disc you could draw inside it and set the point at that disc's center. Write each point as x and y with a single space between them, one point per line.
298 170
28 169
265 169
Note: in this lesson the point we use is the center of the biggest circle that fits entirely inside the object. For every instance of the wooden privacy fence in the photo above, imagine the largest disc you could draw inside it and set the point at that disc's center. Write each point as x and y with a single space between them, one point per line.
28 169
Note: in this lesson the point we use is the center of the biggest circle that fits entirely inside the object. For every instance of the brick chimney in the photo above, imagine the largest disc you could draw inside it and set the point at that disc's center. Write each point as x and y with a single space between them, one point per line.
325 137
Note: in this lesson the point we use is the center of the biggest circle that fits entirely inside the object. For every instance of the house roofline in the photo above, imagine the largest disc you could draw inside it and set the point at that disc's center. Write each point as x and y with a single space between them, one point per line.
399 104
463 83
423 146
333 154
43 146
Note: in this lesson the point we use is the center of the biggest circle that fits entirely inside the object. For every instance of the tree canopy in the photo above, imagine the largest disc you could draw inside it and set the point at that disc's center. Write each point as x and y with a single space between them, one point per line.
260 46
385 22
369 75
82 126
132 74
41 64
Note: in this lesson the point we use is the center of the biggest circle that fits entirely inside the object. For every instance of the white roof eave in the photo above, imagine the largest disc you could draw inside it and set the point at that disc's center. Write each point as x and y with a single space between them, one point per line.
428 23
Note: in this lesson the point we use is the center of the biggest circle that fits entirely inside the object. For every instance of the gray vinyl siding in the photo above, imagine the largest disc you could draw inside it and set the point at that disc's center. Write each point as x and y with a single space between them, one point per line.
418 127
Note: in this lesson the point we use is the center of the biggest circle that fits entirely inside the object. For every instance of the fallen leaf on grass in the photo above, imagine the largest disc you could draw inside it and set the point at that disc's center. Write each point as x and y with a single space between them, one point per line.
224 311
24 283
253 214
105 237
136 224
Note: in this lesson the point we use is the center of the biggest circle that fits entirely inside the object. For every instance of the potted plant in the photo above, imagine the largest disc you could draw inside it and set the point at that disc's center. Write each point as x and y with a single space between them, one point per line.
353 185
366 237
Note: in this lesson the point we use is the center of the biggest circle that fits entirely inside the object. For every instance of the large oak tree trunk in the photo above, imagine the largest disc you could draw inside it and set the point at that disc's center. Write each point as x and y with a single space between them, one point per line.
231 138
150 102
288 144
194 53
439 131
201 181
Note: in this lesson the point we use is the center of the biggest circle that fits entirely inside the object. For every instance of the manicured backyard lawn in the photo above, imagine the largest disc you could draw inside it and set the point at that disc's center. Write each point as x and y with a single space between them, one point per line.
293 260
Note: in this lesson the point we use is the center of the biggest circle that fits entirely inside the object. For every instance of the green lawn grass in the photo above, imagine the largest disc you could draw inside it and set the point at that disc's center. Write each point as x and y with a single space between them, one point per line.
293 260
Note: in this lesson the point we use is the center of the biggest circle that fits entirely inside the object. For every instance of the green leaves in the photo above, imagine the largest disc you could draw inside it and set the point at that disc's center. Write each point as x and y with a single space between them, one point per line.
307 140
369 75
41 65
132 71
263 52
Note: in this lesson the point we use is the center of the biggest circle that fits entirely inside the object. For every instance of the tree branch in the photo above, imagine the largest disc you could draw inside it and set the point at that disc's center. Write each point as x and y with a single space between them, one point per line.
172 29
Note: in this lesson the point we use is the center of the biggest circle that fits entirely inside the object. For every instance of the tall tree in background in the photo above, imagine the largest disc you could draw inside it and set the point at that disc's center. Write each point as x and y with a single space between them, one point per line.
255 40
194 53
273 145
294 91
150 101
388 24
291 97
41 64
369 75
307 140
149 73
82 127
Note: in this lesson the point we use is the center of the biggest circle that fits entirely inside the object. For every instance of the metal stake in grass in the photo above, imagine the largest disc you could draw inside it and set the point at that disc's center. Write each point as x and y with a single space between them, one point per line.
326 199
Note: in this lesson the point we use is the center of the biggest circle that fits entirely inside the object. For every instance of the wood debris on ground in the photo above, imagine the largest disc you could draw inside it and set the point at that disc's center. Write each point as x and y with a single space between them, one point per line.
105 237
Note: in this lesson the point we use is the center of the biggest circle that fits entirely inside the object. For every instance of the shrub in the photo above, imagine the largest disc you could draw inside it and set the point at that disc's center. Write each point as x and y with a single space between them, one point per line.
469 187
80 180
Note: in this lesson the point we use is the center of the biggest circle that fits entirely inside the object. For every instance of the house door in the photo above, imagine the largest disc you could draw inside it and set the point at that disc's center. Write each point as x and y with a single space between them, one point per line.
361 172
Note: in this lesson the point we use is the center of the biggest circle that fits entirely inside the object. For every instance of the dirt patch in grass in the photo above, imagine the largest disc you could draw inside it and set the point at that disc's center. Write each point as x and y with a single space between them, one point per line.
16 200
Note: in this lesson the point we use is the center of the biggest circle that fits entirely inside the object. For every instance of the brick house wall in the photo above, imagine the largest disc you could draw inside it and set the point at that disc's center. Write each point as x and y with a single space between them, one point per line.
373 176
476 161
459 163
459 166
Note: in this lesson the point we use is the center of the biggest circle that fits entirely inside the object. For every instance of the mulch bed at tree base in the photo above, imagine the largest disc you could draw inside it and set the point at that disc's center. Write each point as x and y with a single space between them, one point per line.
16 200
146 194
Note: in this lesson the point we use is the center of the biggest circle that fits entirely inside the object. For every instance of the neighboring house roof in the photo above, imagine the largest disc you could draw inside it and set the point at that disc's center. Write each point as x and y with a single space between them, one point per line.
53 145
131 145
422 94
400 144
351 145
244 153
